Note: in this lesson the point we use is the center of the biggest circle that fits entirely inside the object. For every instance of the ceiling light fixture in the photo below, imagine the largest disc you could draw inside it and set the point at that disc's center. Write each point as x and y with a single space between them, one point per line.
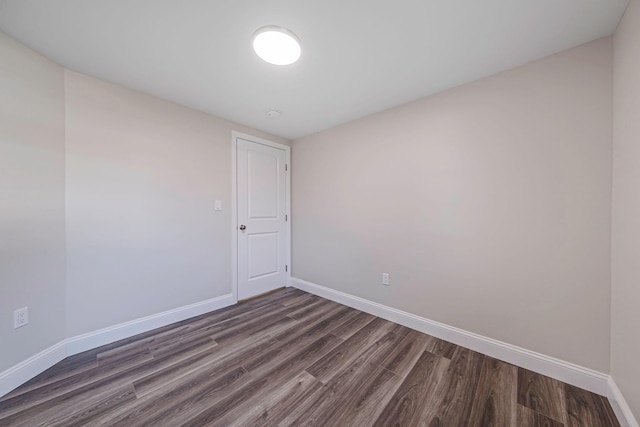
276 45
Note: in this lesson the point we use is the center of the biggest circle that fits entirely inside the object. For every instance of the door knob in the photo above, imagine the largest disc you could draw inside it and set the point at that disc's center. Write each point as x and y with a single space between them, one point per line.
243 227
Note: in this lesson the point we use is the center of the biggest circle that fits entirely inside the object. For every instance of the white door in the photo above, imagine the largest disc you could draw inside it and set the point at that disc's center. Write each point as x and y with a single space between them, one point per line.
262 222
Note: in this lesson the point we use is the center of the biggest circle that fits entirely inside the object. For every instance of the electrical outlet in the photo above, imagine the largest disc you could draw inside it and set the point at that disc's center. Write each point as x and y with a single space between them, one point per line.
385 279
20 317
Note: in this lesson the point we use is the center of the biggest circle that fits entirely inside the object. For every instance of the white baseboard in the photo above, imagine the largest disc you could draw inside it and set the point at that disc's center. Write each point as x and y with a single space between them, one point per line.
94 339
620 406
29 368
569 373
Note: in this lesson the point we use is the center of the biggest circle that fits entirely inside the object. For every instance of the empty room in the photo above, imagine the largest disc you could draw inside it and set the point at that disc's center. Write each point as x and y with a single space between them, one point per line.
294 213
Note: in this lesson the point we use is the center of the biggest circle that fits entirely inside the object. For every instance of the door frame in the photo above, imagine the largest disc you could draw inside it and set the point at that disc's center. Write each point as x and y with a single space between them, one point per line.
234 204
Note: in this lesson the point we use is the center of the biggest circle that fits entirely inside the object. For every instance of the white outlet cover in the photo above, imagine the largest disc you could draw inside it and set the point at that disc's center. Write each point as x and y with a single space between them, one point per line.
20 317
385 279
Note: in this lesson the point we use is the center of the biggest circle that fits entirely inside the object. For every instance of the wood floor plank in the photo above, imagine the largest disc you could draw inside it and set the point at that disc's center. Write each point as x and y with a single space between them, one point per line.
604 408
416 393
181 329
588 409
133 355
208 319
175 386
271 326
441 347
276 406
310 308
69 365
495 400
267 381
349 381
346 330
456 392
89 413
542 394
64 406
363 404
229 355
51 376
85 382
303 297
181 346
406 353
185 401
296 341
290 358
117 373
530 418
313 317
343 355
326 318
400 329
229 330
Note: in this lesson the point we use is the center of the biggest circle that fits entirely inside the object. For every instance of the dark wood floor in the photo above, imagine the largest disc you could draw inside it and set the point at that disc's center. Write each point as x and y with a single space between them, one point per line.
291 358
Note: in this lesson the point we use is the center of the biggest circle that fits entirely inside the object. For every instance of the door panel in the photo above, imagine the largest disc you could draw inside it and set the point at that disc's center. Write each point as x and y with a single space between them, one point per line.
261 197
263 254
263 185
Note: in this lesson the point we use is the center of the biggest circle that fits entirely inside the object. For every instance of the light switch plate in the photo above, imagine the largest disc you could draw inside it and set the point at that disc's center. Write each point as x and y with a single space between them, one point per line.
385 279
217 205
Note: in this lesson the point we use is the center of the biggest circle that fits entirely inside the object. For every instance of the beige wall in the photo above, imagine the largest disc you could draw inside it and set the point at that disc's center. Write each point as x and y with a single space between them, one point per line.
32 234
142 177
488 204
625 336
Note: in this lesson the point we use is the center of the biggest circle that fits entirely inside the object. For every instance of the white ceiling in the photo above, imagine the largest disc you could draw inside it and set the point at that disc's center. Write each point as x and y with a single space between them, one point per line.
359 56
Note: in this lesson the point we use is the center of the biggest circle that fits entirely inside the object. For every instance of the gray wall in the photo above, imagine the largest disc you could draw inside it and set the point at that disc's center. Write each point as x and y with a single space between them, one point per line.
489 205
32 226
625 336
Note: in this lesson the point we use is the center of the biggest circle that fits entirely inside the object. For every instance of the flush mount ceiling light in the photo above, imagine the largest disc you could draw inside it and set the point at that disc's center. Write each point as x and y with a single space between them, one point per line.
276 45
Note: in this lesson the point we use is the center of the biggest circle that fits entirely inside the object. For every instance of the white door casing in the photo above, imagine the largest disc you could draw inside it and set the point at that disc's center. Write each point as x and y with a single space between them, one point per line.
261 229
